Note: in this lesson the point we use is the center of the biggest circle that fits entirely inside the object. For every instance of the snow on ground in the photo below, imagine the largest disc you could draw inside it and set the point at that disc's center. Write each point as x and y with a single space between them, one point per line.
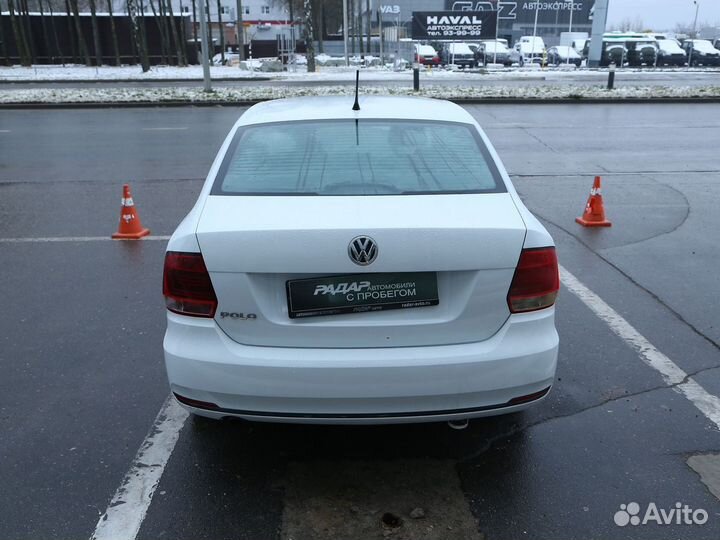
258 93
325 73
111 73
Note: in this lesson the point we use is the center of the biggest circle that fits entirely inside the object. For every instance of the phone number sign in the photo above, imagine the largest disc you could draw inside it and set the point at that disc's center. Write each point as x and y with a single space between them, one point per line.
453 25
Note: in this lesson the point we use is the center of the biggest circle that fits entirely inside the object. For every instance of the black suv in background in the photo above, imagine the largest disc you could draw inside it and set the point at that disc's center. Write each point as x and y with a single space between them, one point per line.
457 53
701 52
613 52
641 52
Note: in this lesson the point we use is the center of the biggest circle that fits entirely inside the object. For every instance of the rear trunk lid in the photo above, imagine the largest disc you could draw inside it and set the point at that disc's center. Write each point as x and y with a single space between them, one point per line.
254 245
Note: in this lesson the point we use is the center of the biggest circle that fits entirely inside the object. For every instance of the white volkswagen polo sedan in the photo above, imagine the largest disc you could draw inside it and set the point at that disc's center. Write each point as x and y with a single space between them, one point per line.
368 266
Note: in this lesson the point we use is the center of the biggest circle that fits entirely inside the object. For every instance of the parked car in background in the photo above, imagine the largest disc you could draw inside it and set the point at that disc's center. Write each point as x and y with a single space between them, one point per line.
459 54
641 51
562 54
493 52
613 52
670 53
568 38
426 55
701 52
529 50
579 45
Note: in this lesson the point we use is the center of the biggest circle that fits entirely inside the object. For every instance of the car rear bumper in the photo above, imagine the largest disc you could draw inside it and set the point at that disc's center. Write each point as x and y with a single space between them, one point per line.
361 386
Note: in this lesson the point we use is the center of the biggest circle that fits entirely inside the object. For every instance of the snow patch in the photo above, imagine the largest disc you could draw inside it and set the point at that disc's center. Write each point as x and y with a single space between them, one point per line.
259 93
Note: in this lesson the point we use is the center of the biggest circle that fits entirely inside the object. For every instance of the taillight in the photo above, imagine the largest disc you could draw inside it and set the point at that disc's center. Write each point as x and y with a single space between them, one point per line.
187 286
536 281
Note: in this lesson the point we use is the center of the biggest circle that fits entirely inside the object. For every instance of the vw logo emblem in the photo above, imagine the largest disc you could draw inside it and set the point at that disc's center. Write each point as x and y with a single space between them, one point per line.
362 250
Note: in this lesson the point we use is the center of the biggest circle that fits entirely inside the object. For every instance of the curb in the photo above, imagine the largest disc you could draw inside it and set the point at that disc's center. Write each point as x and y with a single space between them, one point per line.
459 101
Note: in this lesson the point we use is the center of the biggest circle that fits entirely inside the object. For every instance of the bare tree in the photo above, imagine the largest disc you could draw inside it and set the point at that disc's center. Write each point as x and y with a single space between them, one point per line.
195 37
160 22
27 27
209 28
320 11
78 30
56 40
221 30
19 35
71 33
351 25
629 25
46 36
3 47
240 31
113 31
183 37
359 26
138 35
95 33
179 52
368 18
309 37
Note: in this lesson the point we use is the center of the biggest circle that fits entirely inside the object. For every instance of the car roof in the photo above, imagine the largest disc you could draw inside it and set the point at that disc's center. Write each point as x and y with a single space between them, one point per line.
340 107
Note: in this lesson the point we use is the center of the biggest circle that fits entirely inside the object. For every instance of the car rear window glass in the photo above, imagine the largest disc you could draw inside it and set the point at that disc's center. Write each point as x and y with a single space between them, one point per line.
357 157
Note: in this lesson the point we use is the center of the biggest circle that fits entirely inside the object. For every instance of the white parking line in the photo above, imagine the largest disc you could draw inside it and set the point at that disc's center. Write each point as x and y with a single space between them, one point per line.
165 129
127 509
4 131
705 402
74 239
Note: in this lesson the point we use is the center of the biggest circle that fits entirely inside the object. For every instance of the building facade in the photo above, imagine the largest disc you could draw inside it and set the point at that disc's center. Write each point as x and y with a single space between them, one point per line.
263 20
516 17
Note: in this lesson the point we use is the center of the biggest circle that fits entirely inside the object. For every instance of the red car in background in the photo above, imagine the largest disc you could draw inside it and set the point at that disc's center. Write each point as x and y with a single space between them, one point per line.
426 55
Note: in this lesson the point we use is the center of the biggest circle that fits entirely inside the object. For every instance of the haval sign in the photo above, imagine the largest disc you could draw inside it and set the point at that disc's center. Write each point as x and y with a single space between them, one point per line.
451 25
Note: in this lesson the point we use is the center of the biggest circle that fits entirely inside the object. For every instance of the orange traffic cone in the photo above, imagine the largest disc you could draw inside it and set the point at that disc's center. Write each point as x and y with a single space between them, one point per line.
594 215
130 227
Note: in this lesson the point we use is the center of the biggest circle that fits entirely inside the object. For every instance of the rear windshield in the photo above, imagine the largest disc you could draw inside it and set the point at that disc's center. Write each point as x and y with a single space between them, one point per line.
363 157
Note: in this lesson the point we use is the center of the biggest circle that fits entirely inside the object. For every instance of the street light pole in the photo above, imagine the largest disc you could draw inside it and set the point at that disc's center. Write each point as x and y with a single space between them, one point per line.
345 32
572 8
537 10
497 24
207 87
694 32
240 29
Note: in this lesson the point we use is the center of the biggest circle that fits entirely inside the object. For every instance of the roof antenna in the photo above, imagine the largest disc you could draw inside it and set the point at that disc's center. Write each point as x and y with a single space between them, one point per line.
356 105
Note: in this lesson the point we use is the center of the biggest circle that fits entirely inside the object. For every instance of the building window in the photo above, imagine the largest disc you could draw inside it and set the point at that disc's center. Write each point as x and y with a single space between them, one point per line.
265 10
246 9
186 9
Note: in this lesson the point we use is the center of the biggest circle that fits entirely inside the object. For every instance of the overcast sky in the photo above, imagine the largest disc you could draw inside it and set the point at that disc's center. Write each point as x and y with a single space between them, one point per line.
663 14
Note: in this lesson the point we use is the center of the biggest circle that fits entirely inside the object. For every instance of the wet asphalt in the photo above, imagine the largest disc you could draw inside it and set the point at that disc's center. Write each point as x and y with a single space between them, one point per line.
81 342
